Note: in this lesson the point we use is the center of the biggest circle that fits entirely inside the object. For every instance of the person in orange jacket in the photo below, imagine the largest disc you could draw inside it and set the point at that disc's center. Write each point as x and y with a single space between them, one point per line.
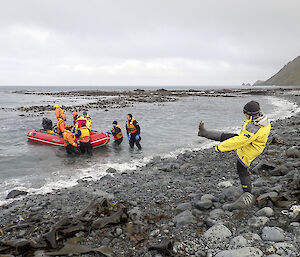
61 125
70 143
133 132
58 111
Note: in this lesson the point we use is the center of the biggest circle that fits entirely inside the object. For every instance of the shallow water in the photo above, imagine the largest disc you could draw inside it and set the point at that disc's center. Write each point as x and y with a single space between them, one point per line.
166 129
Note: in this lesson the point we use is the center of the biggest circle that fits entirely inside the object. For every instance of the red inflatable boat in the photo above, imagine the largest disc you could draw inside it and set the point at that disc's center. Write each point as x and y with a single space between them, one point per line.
50 138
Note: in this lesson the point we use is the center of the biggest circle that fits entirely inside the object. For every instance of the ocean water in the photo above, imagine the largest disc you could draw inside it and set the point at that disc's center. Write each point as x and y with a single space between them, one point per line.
166 130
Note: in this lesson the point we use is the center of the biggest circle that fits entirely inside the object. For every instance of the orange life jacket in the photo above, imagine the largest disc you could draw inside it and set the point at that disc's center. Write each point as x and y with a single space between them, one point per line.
59 113
69 138
131 128
61 126
119 135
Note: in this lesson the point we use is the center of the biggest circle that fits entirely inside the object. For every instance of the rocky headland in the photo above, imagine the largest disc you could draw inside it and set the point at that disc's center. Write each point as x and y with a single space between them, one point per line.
169 207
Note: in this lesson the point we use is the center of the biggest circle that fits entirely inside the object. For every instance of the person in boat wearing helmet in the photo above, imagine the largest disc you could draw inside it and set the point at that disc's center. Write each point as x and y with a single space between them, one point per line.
117 133
70 144
58 112
249 144
133 132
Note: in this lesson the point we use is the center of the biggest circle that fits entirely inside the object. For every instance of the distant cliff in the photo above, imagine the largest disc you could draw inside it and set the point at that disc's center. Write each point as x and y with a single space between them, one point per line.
288 75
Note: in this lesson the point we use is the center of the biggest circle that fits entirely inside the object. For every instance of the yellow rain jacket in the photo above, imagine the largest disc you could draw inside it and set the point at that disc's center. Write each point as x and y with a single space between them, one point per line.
250 142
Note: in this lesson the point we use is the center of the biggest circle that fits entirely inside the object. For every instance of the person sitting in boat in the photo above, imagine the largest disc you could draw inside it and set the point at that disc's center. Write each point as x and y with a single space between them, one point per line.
61 125
83 136
75 117
117 133
58 111
70 144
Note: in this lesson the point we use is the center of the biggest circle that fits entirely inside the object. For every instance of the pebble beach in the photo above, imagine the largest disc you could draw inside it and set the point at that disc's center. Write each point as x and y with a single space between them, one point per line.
169 207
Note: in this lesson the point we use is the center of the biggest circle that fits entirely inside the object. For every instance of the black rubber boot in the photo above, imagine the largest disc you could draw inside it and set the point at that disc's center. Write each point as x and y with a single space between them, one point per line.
213 135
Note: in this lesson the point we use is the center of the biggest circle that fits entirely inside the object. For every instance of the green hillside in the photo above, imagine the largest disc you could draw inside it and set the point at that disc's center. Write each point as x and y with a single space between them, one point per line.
288 75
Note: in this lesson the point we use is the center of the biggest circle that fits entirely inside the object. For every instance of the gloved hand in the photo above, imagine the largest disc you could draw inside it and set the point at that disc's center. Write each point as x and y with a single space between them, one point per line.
217 149
137 136
128 137
108 132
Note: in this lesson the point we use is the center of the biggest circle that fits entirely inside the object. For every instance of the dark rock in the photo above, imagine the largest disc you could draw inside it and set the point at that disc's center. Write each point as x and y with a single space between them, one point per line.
15 193
293 152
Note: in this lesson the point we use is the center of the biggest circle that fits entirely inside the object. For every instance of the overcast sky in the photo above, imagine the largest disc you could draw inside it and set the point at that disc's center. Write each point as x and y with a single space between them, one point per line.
146 42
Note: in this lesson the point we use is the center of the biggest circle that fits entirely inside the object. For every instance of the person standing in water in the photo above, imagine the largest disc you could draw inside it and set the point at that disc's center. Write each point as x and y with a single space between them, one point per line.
249 144
133 132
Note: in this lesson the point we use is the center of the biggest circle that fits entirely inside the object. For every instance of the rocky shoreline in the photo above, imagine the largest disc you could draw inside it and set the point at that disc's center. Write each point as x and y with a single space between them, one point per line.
99 99
169 207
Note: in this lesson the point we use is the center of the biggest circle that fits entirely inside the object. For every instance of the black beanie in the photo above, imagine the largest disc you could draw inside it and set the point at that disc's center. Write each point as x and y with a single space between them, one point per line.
252 108
115 122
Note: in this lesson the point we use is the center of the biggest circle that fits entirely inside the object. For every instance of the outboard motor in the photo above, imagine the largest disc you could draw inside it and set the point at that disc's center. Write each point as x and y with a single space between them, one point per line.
47 124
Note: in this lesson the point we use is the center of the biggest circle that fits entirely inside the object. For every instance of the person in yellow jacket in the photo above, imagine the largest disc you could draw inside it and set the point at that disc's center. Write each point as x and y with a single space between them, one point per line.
88 120
58 112
80 122
249 144
83 136
70 143
116 132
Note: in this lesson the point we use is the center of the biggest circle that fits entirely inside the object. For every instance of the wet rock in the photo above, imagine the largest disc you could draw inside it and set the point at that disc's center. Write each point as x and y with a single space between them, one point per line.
284 249
279 171
216 213
243 252
257 222
209 197
266 211
238 241
263 198
119 231
292 152
15 193
203 205
183 207
184 218
111 170
216 232
272 234
230 194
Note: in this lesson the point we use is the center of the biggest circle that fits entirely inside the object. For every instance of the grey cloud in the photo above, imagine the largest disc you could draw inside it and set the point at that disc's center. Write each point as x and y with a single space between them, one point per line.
253 38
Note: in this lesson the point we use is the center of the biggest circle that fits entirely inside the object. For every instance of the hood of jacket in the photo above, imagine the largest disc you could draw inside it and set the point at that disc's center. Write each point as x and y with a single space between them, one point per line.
262 120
